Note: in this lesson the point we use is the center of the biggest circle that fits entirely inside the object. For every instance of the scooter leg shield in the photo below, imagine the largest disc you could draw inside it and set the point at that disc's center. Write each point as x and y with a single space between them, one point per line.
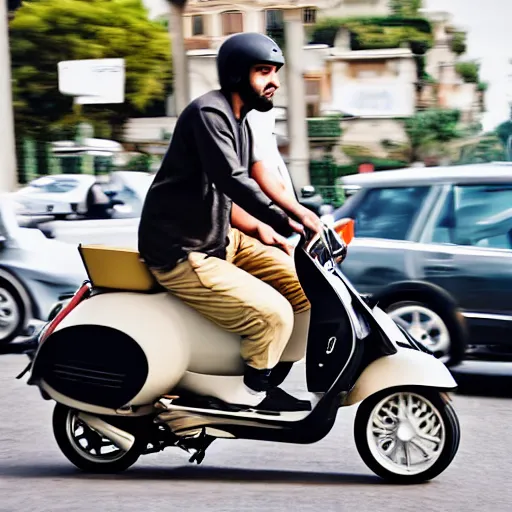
296 348
405 368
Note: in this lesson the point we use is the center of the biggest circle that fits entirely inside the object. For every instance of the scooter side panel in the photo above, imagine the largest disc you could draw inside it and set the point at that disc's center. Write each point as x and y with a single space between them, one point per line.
90 408
405 368
173 336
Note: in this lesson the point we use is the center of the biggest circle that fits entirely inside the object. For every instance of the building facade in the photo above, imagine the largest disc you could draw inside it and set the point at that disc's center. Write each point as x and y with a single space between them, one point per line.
379 87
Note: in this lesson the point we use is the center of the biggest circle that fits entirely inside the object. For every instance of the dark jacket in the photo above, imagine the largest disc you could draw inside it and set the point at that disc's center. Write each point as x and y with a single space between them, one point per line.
188 206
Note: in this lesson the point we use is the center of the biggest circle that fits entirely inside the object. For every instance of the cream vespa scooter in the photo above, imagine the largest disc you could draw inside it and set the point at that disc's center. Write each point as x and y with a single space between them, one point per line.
134 370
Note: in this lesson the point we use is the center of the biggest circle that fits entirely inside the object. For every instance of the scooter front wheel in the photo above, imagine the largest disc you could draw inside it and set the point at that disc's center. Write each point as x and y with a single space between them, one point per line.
407 435
87 449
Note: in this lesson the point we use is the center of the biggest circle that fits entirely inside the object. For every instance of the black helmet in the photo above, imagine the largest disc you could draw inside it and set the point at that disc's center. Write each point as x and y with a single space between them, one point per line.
237 55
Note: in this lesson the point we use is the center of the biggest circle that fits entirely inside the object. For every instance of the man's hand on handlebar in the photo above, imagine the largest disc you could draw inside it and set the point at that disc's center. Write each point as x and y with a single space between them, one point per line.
307 220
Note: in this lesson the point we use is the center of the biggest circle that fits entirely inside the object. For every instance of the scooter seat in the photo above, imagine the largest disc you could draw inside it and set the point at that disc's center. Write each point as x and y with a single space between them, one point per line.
114 268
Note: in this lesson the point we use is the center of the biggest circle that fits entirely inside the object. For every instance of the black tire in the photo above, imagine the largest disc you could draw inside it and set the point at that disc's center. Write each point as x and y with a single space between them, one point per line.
448 452
60 419
449 314
17 330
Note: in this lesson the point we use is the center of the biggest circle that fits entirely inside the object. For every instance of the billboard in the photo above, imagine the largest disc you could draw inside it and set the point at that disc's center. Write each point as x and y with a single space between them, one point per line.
390 99
93 81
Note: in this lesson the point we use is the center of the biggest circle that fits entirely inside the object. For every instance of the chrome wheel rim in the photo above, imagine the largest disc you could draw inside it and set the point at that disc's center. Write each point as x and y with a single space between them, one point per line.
425 326
406 434
9 313
89 443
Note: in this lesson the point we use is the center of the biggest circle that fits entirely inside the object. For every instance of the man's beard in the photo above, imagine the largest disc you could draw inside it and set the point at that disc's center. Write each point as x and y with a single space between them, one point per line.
253 100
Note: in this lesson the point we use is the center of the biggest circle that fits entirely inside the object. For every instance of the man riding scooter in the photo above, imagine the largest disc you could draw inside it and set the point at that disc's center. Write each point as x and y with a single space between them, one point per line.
211 236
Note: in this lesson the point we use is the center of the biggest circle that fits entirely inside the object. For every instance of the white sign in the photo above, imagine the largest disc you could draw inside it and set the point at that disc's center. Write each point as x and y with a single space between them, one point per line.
93 81
394 99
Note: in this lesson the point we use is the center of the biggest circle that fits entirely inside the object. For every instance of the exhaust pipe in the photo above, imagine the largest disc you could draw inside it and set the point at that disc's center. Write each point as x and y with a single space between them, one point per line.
120 438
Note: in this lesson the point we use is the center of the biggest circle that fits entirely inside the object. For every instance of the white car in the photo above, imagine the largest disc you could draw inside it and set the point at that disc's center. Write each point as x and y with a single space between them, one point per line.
55 195
82 195
35 273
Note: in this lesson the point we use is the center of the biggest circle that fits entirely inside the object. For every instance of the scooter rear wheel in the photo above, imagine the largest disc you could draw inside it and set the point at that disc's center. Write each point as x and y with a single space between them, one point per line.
78 441
407 435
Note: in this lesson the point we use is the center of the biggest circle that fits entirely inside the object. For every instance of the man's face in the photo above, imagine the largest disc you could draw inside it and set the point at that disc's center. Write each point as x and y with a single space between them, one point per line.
264 81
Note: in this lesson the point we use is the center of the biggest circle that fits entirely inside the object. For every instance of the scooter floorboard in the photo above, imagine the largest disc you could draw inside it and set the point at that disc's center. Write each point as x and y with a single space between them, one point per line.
167 406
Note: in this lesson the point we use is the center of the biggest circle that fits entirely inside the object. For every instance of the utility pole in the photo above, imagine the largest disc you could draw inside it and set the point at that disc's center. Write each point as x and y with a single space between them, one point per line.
297 123
8 172
179 55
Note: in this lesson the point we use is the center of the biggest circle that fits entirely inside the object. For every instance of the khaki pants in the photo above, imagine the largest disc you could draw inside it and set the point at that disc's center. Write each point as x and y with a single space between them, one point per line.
254 293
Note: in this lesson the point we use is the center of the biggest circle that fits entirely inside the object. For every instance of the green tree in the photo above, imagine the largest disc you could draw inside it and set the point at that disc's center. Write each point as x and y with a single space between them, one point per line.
45 32
429 131
458 42
377 32
405 8
487 148
504 133
469 71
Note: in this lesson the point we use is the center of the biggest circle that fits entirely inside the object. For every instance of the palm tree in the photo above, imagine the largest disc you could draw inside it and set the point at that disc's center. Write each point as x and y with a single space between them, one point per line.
179 54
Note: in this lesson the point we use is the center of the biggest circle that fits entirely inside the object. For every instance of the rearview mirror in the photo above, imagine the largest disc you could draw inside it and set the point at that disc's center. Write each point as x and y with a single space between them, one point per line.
307 191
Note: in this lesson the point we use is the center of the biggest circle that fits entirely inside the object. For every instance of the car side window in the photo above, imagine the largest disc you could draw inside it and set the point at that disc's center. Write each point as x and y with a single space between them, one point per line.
477 216
389 213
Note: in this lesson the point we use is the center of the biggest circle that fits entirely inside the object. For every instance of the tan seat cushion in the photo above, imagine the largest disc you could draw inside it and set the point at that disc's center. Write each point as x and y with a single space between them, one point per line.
117 268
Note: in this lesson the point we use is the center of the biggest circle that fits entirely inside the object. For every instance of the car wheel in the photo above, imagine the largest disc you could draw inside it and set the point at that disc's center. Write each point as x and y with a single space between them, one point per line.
12 312
436 327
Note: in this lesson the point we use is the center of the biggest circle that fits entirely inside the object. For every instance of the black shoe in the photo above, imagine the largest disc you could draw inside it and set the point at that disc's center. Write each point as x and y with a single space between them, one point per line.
279 374
278 400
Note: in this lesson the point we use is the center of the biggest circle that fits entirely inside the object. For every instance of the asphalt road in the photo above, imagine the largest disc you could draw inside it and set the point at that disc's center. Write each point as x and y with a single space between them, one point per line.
243 475
246 476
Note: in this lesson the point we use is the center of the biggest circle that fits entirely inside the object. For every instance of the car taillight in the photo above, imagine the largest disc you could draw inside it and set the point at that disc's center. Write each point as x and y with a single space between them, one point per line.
82 293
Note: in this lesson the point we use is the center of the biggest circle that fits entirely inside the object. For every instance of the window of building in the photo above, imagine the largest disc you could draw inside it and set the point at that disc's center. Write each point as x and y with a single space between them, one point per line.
309 15
313 91
274 19
232 22
313 87
197 25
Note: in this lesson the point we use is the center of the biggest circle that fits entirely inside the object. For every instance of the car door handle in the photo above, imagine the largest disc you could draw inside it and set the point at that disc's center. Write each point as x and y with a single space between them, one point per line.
440 256
440 269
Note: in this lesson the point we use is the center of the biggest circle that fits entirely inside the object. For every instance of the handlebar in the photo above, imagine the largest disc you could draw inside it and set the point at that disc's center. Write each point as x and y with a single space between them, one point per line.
327 242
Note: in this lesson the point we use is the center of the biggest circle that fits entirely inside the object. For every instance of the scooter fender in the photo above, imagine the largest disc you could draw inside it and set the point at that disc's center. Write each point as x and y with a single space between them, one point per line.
405 368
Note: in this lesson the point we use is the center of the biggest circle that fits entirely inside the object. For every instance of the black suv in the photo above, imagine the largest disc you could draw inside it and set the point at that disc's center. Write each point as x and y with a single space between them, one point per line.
434 247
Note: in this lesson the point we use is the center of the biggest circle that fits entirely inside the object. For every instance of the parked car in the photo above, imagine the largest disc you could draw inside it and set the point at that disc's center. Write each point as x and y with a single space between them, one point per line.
34 273
61 196
312 200
434 247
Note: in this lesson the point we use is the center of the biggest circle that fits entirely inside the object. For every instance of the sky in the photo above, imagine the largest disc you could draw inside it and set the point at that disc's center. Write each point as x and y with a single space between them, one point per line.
489 39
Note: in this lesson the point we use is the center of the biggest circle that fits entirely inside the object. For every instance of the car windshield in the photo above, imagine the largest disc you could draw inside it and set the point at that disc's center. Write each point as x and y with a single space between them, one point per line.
52 185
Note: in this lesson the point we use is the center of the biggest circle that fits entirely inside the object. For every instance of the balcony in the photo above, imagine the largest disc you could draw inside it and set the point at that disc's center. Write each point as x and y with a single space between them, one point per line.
324 128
